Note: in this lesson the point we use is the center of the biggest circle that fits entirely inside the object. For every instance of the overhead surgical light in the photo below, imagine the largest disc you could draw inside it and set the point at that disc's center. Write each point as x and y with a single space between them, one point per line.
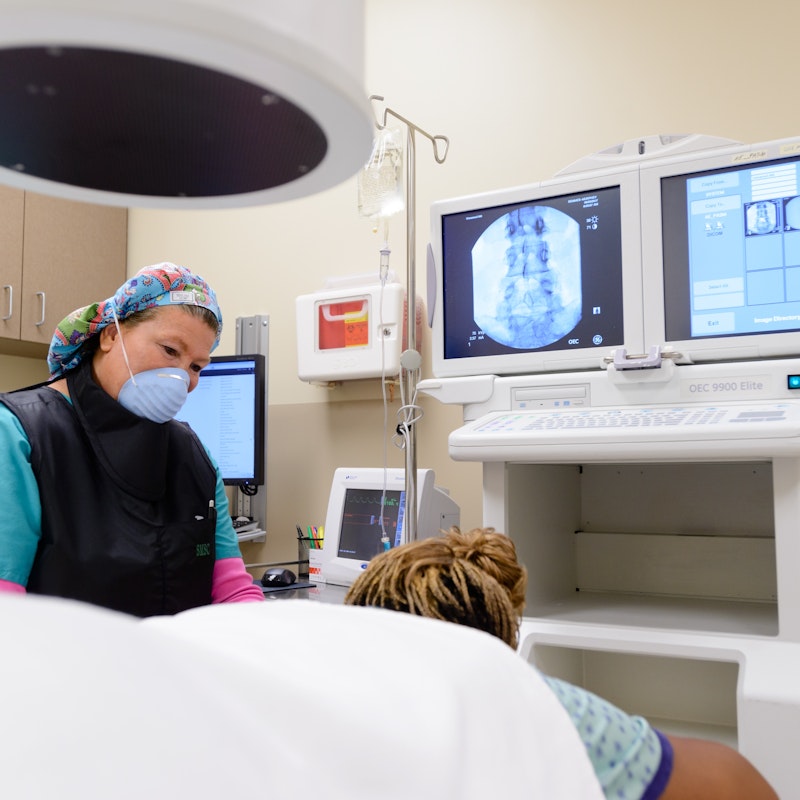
182 103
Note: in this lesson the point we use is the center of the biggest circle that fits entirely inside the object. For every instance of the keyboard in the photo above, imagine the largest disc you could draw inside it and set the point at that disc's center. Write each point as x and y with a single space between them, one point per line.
677 428
243 523
631 419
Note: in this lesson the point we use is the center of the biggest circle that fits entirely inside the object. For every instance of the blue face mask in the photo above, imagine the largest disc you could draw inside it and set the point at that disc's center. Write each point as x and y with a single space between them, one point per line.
155 394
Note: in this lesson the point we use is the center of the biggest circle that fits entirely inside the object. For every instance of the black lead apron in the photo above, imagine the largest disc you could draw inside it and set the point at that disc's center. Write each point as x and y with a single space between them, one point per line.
127 504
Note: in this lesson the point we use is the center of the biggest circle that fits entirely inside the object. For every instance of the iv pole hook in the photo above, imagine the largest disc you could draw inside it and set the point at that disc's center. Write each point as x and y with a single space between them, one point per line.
436 140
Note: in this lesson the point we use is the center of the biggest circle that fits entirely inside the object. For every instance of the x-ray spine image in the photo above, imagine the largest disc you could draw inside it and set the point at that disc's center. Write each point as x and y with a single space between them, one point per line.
526 274
762 217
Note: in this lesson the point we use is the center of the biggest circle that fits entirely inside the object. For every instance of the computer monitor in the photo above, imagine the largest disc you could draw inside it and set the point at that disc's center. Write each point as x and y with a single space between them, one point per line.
367 505
537 278
721 252
227 410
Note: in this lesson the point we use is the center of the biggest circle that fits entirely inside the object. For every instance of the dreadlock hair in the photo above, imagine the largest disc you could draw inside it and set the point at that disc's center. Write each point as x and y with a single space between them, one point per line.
472 579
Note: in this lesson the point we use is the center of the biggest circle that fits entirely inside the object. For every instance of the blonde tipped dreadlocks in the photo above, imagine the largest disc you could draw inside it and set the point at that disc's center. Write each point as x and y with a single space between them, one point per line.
470 578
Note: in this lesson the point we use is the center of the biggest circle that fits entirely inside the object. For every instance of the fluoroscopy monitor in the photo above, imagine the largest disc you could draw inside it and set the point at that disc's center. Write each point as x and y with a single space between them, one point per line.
722 252
366 504
227 410
537 278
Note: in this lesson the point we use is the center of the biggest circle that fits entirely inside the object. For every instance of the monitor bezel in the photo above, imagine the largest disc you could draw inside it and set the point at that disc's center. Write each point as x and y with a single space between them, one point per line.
655 268
626 177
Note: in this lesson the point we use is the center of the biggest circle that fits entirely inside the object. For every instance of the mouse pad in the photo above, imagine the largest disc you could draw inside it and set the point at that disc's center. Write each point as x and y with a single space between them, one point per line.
295 585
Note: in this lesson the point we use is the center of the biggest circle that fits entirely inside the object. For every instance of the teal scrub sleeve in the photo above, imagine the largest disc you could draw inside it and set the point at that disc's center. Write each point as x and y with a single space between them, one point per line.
20 508
227 541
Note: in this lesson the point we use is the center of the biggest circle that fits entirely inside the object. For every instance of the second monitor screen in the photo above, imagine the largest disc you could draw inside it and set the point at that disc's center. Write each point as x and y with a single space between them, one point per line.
732 251
362 531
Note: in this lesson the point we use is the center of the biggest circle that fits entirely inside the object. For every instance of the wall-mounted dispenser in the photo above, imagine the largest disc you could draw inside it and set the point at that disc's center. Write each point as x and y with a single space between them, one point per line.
350 329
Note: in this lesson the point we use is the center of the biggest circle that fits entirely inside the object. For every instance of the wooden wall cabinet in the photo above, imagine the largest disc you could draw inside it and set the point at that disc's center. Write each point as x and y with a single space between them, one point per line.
12 219
55 256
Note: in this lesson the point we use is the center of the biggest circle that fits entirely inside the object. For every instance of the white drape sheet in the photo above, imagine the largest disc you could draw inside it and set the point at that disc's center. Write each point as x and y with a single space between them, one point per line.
291 696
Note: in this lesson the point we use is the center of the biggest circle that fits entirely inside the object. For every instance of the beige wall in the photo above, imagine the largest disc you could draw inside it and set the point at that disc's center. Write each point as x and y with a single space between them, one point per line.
16 372
522 88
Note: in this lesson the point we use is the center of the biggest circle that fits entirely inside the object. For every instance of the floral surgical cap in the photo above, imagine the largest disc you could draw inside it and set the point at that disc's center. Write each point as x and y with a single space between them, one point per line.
158 285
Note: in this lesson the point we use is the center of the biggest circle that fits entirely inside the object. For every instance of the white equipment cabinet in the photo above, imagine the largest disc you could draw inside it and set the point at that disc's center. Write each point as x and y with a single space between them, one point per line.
661 539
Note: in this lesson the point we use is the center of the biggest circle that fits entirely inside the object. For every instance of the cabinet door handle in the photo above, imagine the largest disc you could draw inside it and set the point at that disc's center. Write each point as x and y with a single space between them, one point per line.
10 289
41 321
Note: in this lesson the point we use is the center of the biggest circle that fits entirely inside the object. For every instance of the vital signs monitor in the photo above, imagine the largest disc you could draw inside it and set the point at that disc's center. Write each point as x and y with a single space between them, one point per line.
366 515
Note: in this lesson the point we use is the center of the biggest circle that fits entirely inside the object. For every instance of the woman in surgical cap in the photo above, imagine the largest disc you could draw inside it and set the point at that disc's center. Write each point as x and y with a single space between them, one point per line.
105 497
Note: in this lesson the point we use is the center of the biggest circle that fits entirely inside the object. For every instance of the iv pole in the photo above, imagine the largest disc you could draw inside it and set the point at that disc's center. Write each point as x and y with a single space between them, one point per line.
410 360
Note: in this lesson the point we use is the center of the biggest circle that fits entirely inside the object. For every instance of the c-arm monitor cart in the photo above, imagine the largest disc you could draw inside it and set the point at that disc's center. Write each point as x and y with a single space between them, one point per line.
653 494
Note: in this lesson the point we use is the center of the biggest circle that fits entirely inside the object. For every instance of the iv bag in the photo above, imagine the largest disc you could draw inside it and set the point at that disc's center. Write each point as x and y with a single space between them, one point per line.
380 187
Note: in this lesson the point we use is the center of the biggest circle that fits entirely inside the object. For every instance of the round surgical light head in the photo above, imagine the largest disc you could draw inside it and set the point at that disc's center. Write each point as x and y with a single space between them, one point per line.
182 103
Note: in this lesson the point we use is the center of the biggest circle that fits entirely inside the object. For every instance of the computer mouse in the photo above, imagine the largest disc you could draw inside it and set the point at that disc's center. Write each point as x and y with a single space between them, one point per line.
278 576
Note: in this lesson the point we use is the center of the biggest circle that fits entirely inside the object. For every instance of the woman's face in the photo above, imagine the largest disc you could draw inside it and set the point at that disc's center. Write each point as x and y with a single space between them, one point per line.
170 338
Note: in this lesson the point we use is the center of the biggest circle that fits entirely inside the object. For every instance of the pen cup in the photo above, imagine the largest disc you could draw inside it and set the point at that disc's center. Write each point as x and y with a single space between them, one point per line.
303 550
308 549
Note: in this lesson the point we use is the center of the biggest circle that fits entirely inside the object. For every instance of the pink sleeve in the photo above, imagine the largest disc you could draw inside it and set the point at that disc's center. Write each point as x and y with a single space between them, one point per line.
12 588
232 583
